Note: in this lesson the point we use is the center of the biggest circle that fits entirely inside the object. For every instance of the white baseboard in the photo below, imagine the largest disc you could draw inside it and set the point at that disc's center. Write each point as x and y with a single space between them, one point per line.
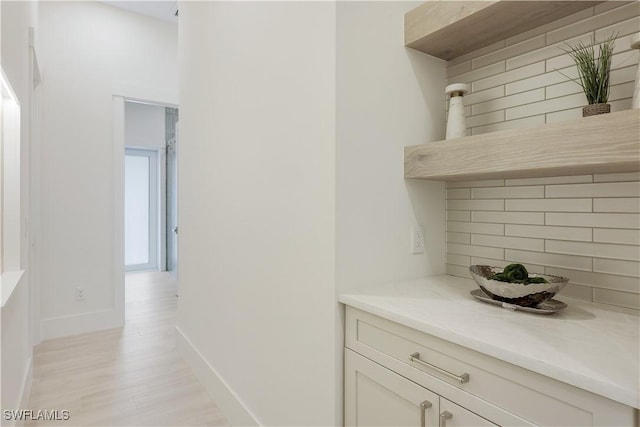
233 408
25 392
80 324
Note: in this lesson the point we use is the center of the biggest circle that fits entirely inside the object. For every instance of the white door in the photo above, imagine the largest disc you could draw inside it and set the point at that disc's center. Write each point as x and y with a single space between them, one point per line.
141 209
376 396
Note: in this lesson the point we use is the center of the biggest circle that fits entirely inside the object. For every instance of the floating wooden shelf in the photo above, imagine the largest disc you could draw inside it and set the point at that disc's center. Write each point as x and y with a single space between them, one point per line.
608 143
448 29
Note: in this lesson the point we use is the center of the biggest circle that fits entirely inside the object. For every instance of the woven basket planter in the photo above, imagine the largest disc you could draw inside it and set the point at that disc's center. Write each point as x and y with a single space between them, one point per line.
593 109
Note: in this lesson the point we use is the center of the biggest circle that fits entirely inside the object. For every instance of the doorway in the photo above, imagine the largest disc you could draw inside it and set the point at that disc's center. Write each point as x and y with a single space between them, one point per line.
150 187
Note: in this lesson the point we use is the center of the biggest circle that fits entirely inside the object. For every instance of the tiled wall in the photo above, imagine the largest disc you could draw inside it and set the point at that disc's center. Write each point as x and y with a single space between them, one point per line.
587 227
518 82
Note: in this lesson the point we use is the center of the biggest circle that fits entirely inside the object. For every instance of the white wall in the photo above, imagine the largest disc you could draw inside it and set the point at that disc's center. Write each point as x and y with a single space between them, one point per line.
90 51
144 125
387 97
15 345
257 132
256 189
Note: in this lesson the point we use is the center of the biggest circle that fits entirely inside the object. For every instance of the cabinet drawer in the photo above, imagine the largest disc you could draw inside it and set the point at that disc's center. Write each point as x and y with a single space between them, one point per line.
440 366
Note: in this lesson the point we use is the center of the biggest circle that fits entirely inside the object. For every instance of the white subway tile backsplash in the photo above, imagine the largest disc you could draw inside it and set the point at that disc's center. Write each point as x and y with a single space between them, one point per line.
580 292
454 70
626 204
593 23
613 189
476 205
616 266
455 248
508 101
508 242
621 105
482 51
588 278
458 215
456 270
583 227
527 122
549 205
622 299
510 51
508 217
484 95
623 28
478 228
508 193
547 232
480 73
555 104
600 220
560 23
508 76
614 235
547 52
462 260
473 184
464 238
617 177
552 260
492 117
598 250
562 89
461 193
623 75
548 78
621 91
579 179
561 116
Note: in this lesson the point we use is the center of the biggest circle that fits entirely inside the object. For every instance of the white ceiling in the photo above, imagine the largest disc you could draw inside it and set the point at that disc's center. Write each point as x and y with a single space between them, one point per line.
162 9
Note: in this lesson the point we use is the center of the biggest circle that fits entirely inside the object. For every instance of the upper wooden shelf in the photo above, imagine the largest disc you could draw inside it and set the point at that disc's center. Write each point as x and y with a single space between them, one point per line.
448 29
607 143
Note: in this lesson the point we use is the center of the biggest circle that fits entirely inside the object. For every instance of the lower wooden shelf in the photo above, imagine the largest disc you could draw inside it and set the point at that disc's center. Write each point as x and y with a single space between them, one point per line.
608 143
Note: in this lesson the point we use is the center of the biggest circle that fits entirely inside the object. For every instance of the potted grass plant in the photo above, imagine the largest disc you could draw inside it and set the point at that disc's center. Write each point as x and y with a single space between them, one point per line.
594 71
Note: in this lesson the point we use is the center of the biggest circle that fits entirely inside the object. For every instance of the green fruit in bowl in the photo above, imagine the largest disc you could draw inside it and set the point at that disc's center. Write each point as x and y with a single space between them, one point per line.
516 273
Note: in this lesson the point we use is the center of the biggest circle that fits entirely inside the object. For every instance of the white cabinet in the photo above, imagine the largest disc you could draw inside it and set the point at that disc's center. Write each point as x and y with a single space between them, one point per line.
391 369
376 396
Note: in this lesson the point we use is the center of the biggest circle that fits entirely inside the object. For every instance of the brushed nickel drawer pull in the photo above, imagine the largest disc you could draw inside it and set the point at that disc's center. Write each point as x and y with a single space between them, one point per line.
423 407
444 416
464 378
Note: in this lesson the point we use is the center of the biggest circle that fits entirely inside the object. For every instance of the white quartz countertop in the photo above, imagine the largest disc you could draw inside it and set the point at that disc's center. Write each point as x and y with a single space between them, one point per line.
587 345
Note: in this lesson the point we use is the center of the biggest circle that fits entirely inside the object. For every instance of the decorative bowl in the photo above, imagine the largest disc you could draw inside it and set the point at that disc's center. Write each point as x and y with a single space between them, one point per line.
525 295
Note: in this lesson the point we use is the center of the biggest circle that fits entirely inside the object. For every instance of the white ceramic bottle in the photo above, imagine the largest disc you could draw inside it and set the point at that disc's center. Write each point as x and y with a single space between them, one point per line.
635 44
456 122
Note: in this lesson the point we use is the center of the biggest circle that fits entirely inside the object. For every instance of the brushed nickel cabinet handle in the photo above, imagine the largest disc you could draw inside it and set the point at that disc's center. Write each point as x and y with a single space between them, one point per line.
444 416
423 407
464 378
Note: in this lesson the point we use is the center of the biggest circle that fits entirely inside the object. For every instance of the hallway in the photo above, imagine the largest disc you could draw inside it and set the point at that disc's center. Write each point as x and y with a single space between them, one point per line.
124 377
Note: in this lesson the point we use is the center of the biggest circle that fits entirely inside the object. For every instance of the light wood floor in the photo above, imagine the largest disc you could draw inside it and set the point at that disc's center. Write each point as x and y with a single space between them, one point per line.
131 376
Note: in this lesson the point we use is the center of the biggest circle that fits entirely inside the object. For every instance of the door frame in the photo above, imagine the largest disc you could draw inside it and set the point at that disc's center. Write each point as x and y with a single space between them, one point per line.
120 95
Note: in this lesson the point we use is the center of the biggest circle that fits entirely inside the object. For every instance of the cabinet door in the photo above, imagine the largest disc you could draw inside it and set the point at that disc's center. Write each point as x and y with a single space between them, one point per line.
376 396
452 415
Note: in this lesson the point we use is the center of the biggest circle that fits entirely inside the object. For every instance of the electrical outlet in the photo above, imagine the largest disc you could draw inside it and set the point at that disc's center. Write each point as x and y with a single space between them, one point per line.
79 292
417 239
